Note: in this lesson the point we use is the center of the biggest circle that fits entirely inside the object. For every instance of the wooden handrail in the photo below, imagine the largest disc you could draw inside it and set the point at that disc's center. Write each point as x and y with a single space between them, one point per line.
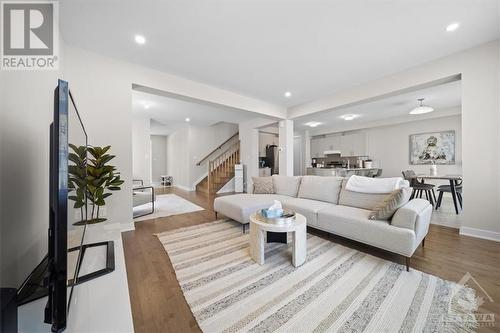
219 147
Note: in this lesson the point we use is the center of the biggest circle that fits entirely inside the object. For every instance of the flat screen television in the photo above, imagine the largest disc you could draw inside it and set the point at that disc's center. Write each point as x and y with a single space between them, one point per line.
58 272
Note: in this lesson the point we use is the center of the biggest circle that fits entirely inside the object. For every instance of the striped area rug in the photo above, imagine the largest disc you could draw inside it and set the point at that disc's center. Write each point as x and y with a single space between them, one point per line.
338 289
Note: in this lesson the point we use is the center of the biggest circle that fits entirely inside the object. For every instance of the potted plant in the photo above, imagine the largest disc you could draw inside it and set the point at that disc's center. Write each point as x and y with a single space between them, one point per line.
101 179
77 181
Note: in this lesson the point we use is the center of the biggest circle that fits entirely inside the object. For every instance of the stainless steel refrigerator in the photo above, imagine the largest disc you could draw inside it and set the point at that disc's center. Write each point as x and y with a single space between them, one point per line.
272 155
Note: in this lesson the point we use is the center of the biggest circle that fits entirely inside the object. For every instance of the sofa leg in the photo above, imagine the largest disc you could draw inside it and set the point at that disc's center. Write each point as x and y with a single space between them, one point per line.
407 264
423 242
215 215
243 225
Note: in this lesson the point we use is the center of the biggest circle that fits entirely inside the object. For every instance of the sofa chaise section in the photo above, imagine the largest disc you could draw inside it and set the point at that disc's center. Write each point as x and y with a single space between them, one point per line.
239 207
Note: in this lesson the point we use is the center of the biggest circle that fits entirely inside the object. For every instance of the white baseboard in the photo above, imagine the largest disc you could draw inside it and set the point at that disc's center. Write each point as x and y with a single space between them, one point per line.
127 227
480 233
446 224
185 188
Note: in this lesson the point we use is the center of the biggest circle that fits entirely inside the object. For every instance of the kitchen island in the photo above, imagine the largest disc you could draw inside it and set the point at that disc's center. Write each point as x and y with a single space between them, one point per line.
342 172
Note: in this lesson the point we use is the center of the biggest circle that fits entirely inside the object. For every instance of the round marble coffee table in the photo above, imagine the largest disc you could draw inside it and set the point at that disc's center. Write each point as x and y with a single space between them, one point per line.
258 235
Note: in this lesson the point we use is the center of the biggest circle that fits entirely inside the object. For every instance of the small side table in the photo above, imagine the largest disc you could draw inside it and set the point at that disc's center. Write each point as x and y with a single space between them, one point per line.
258 234
167 181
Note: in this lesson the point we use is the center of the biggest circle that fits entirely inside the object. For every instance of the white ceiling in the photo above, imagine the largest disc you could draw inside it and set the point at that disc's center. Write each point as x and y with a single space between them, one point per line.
264 48
167 114
442 98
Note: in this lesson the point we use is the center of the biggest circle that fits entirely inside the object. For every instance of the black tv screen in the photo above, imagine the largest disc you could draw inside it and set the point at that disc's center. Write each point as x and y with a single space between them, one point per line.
68 205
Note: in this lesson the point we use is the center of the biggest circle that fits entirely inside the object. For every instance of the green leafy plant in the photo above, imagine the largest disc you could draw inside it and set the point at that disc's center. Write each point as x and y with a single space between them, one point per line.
77 181
101 179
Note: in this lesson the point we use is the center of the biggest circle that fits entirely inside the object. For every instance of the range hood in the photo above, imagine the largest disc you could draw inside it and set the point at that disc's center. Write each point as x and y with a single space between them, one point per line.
332 152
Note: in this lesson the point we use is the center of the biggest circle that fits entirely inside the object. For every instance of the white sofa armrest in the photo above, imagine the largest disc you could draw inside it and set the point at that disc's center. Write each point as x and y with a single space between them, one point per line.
415 215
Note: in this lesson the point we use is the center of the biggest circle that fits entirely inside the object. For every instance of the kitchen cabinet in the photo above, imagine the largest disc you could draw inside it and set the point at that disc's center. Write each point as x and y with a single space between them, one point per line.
320 145
349 145
333 142
353 144
316 147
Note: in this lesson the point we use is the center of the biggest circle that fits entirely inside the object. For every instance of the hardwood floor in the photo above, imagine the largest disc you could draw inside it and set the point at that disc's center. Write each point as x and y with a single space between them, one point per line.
158 304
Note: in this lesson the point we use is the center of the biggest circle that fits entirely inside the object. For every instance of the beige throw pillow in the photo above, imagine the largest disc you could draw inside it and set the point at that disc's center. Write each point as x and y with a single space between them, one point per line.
263 185
386 209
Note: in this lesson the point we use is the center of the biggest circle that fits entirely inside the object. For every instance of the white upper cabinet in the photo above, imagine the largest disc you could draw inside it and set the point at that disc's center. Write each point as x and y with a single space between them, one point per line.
349 145
333 142
353 144
316 144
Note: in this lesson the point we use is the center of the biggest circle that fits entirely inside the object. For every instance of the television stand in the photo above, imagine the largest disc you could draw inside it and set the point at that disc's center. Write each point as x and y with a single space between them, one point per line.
35 286
110 261
8 314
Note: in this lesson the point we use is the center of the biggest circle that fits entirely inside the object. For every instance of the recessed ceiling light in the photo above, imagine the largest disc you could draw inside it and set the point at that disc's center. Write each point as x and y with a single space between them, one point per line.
147 106
349 116
288 94
452 26
421 109
139 39
188 120
313 123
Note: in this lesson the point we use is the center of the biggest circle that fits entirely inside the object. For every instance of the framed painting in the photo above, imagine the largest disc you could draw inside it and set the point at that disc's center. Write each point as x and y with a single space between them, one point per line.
432 148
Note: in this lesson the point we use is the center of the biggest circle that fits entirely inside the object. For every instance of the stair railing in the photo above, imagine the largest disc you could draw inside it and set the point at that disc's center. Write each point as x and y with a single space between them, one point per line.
217 149
222 165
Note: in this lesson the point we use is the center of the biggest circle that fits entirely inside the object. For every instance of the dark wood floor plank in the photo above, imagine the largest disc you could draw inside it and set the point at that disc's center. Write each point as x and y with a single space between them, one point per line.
158 304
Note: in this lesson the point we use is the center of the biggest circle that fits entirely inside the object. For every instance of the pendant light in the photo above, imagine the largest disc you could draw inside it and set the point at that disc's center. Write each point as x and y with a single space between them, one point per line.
421 109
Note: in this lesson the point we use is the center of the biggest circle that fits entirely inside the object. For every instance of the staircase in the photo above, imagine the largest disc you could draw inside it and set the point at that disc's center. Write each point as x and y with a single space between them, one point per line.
220 170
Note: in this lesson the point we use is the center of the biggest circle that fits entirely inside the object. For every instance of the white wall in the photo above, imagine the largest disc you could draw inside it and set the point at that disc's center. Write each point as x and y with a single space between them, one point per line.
479 70
249 148
285 149
389 145
202 141
178 157
188 145
266 139
141 149
26 111
158 157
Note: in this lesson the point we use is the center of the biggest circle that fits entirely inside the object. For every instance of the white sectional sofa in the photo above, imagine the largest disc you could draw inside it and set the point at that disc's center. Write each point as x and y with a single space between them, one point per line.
328 206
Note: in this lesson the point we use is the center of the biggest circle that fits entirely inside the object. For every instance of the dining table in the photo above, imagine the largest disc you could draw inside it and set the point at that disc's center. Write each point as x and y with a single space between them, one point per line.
454 180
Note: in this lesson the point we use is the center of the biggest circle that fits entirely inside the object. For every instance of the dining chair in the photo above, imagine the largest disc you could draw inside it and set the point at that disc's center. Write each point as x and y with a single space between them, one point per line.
378 173
447 189
419 188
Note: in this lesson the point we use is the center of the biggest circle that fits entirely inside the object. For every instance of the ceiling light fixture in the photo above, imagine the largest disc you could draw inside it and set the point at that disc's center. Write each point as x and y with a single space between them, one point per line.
288 94
139 39
188 120
349 116
452 26
147 106
422 108
313 123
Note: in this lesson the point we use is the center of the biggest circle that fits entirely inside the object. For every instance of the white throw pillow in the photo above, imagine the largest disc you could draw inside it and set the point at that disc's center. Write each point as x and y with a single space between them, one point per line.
286 185
320 188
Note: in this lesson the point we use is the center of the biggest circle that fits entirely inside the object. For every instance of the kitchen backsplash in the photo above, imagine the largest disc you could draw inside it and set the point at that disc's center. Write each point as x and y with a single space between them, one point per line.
337 160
